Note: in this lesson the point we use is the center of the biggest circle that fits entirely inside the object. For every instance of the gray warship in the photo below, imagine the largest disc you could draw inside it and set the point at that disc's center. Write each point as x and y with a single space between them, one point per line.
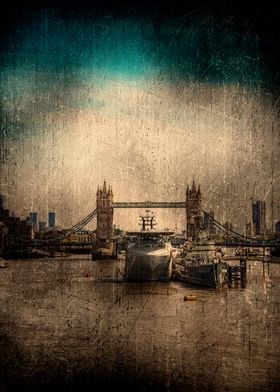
202 264
149 252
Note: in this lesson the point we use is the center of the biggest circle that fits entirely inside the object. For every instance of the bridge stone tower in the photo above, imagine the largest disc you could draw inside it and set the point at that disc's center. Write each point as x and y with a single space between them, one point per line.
104 207
193 210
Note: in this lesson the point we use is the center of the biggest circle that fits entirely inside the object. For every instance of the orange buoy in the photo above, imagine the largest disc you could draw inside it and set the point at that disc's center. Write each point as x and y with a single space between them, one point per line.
190 297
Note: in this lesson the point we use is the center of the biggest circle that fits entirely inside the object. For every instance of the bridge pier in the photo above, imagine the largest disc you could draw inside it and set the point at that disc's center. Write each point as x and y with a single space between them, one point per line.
104 214
104 248
238 273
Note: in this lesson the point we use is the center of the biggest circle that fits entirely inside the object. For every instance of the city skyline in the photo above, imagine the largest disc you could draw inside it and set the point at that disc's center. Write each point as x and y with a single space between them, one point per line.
35 219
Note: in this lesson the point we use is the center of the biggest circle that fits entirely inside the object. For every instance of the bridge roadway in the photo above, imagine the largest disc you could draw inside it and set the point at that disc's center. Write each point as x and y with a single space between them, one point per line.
261 244
150 204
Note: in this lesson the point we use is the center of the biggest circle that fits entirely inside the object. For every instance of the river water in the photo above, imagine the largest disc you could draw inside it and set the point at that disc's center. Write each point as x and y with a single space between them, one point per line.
63 323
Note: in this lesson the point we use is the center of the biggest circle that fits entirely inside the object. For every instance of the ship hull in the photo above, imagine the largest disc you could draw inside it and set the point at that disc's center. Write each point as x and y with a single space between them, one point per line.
148 266
207 275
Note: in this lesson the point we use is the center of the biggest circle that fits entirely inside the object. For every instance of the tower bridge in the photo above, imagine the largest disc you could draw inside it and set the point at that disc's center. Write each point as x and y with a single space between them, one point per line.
104 212
194 214
105 207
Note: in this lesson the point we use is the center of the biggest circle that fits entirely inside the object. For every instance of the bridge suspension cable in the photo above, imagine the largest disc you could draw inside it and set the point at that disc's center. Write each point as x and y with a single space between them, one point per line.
78 226
233 233
75 228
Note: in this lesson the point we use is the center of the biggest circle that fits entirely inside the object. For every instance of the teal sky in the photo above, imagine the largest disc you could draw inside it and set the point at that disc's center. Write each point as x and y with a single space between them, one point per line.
205 51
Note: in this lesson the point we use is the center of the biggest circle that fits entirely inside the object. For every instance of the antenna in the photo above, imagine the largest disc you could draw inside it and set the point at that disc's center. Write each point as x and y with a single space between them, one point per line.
272 181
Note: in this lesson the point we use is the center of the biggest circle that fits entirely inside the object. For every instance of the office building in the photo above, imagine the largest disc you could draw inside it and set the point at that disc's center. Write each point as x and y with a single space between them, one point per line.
2 201
258 217
52 219
33 220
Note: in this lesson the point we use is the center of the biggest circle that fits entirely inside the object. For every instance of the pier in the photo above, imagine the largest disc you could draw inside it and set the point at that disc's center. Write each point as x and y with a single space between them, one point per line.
238 273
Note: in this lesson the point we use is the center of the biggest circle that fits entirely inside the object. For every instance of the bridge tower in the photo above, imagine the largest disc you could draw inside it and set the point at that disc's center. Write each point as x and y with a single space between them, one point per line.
104 213
193 210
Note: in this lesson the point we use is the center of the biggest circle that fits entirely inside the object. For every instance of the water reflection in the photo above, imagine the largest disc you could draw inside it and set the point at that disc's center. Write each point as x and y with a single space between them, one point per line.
71 326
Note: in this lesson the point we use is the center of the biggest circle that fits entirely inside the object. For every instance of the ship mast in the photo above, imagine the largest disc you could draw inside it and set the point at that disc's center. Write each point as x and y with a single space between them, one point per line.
272 181
147 221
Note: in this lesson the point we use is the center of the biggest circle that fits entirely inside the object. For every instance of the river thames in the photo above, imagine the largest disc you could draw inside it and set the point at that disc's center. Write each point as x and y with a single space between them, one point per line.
64 322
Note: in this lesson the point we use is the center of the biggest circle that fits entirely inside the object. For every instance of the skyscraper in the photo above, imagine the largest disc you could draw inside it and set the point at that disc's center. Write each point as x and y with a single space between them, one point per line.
33 220
2 201
52 219
258 217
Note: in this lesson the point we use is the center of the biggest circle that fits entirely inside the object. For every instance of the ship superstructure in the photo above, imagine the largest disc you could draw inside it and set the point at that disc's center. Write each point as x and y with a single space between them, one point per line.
202 264
149 254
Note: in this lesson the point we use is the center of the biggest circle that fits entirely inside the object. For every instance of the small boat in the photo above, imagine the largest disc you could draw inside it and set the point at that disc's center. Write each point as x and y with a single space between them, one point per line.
149 254
190 297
